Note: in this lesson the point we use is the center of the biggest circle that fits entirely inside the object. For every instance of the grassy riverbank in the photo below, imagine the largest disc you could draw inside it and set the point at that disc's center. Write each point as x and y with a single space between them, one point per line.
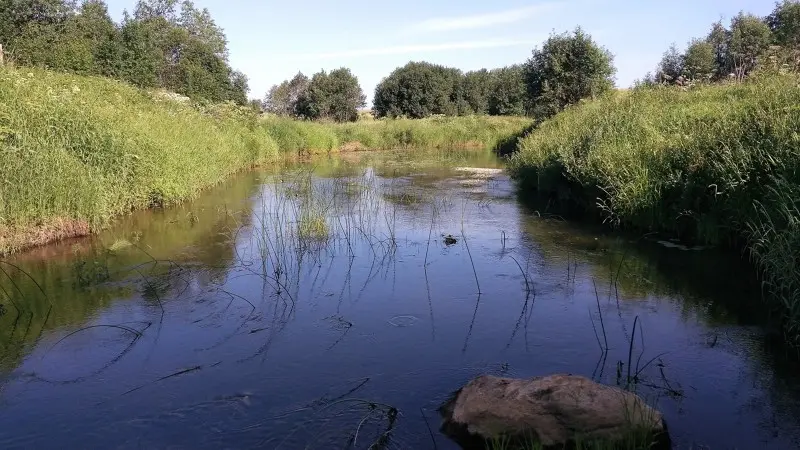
715 164
78 151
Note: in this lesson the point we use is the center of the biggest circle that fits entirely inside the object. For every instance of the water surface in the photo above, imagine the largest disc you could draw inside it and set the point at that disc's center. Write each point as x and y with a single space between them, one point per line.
338 302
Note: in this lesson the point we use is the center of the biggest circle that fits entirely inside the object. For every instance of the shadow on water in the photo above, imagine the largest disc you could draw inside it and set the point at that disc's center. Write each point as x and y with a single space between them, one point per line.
337 302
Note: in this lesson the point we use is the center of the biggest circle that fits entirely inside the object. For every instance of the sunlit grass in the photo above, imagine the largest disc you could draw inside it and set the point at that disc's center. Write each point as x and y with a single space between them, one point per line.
715 164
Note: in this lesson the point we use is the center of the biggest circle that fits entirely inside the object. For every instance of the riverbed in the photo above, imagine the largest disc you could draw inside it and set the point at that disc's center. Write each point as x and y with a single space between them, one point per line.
336 303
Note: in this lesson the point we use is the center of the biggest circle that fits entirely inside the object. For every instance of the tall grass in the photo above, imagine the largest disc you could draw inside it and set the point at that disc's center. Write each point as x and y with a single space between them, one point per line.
75 151
83 150
713 164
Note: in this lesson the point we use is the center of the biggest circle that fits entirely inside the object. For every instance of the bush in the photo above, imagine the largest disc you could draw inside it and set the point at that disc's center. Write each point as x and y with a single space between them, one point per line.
569 67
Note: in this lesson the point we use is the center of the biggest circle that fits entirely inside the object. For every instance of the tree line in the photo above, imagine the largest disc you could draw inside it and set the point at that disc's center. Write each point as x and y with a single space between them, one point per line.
734 52
567 68
163 44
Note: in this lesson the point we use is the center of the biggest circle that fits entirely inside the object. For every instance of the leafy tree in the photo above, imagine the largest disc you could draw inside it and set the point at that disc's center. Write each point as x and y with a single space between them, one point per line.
508 94
141 59
283 99
670 68
276 101
419 89
237 87
475 88
785 23
569 67
152 48
335 96
750 38
201 26
151 9
31 29
719 38
699 61
93 26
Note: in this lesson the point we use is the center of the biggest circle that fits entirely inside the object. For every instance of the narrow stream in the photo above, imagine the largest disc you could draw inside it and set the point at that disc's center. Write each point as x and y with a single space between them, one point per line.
339 302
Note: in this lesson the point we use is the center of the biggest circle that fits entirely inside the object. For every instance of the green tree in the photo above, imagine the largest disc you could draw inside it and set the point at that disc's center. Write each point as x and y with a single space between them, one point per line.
750 39
141 58
151 9
785 23
508 94
475 89
201 26
335 96
699 61
569 67
32 30
670 68
282 99
719 37
237 87
419 89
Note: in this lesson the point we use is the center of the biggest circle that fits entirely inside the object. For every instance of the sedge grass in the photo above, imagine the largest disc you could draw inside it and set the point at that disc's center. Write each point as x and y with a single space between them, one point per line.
715 164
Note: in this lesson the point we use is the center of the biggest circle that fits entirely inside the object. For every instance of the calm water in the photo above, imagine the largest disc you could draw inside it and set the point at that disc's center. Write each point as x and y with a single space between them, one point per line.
339 303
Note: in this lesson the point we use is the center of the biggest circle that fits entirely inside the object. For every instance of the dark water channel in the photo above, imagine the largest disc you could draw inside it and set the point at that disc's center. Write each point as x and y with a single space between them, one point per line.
338 303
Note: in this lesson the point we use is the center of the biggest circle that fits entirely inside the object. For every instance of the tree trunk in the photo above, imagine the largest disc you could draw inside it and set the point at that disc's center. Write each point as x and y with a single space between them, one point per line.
1 55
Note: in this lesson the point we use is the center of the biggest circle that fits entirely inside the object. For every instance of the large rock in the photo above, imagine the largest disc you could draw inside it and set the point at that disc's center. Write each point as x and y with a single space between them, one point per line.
553 410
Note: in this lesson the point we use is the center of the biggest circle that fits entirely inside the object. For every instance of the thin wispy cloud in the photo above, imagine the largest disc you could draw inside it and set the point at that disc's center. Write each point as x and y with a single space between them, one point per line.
420 48
483 20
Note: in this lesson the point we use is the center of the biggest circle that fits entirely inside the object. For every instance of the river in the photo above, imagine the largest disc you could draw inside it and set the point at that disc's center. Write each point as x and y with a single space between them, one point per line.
338 302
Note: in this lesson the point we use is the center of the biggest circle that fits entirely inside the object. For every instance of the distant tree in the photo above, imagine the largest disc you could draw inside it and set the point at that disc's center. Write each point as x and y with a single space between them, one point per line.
508 95
475 88
335 96
237 87
201 26
569 67
256 105
750 39
282 99
785 23
420 89
699 61
670 68
151 9
719 37
276 101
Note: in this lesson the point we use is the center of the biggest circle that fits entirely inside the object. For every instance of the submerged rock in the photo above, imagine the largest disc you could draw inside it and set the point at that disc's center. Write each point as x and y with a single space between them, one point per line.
555 411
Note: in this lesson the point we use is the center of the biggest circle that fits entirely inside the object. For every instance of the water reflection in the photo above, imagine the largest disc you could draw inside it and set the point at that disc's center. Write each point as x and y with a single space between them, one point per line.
336 303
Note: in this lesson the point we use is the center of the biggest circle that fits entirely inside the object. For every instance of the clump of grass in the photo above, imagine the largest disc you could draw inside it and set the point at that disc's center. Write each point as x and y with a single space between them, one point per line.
715 164
82 150
312 227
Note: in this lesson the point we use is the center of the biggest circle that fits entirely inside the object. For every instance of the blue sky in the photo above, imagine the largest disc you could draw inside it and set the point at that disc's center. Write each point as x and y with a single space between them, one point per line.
271 40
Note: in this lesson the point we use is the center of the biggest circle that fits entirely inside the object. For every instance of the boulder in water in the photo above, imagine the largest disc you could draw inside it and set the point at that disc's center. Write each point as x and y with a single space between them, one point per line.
555 411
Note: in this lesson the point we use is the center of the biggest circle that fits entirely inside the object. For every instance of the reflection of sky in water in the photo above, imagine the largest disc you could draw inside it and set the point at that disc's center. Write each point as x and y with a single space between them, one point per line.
234 332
